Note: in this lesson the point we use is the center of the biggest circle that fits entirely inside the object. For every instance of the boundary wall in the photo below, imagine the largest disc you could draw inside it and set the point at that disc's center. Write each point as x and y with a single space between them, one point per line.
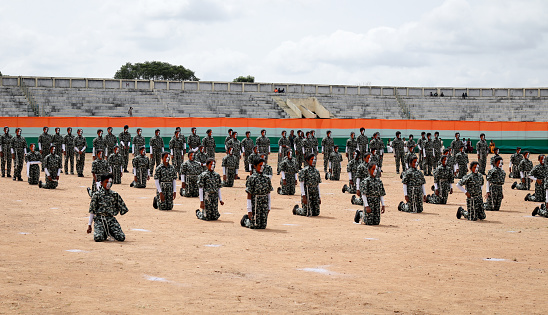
531 136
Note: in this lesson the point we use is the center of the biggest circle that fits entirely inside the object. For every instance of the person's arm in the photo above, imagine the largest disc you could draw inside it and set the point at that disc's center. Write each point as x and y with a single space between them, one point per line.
405 189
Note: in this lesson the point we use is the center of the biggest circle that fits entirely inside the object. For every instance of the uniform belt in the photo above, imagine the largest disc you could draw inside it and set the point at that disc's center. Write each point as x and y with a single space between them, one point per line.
103 215
261 195
496 184
474 196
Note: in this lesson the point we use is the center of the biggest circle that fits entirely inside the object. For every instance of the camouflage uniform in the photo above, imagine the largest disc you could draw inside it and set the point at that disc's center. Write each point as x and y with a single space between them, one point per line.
289 168
361 174
57 142
201 157
125 141
482 148
542 211
229 164
310 180
437 145
19 148
259 186
495 179
314 144
156 149
410 143
420 144
327 147
282 152
474 205
209 146
105 204
443 178
335 162
525 167
99 143
141 170
236 146
267 171
193 142
351 145
397 145
539 172
373 189
166 175
53 167
99 167
138 142
80 144
68 148
110 142
5 143
407 157
428 160
299 148
462 160
455 146
377 144
177 147
414 179
247 145
44 144
33 170
363 143
515 159
115 162
308 145
352 169
191 170
210 183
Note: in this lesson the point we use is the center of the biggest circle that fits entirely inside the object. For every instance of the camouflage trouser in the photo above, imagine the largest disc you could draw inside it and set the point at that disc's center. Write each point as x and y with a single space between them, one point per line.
246 162
80 161
155 160
495 198
381 159
142 174
19 159
104 226
539 195
335 172
69 157
300 159
264 150
437 157
421 160
312 208
289 187
259 214
355 200
167 189
400 158
6 159
326 162
542 211
444 189
350 188
50 184
125 157
526 185
373 218
482 163
191 189
211 205
515 172
462 171
415 200
474 208
210 152
34 174
177 160
230 174
116 174
428 163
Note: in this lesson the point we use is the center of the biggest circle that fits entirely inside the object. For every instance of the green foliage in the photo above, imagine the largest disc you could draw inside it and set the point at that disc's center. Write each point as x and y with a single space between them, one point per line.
0 73
249 79
155 70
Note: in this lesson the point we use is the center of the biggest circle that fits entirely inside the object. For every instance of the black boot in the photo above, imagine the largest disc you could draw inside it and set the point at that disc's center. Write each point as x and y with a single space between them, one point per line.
535 212
155 203
295 209
459 212
357 216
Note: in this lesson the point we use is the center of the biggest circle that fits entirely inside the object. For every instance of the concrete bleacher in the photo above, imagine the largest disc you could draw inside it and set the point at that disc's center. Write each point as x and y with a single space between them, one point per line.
361 106
13 102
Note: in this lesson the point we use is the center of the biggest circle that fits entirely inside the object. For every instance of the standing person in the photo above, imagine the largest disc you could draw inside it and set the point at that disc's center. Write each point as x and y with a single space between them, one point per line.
314 142
99 143
229 168
201 157
141 169
68 151
413 188
257 187
291 138
209 144
209 190
327 148
99 168
363 141
138 142
299 148
263 143
352 169
482 148
377 144
156 149
397 145
80 151
57 142
125 144
538 174
44 143
335 164
18 151
437 145
525 167
110 141
443 183
165 178
474 203
247 148
456 144
289 170
104 206
33 159
410 144
461 164
351 146
515 159
373 198
428 155
190 170
308 144
236 146
177 148
495 179
52 169
420 144
130 111
228 138
115 162
310 180
283 146
193 140
5 151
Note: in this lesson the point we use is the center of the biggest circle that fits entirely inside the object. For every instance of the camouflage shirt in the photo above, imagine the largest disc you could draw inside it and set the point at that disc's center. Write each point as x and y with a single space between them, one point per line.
100 167
308 145
516 158
372 187
194 141
157 144
200 157
428 147
33 157
229 161
52 163
362 171
443 173
351 146
496 176
289 167
248 145
328 144
141 161
68 141
138 142
208 143
376 144
18 144
258 184
236 146
45 141
284 141
5 142
115 160
397 145
209 181
124 137
57 141
540 171
461 159
191 168
493 160
413 177
352 167
177 144
107 202
525 165
165 173
110 141
310 176
482 147
299 144
263 143
473 183
335 158
420 143
79 142
362 141
99 143
410 143
456 145
436 144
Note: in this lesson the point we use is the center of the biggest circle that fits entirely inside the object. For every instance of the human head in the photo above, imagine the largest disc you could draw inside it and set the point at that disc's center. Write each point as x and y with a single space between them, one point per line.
116 149
106 181
57 130
311 159
498 161
482 136
100 132
157 132
210 164
208 132
457 135
474 166
248 134
356 154
165 158
143 151
139 131
32 147
526 154
258 164
373 169
398 134
6 129
79 132
191 155
328 133
362 130
18 131
109 129
69 130
352 135
193 130
45 129
99 154
412 161
263 132
444 160
126 127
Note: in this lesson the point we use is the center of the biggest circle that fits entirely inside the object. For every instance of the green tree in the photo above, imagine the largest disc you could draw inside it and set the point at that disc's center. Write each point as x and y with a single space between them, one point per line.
0 73
249 79
155 70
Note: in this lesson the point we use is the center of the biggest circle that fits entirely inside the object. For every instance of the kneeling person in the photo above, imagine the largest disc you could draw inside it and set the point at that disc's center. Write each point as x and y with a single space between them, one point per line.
209 190
474 202
495 179
190 170
372 191
52 169
166 186
33 159
258 187
413 188
443 183
310 180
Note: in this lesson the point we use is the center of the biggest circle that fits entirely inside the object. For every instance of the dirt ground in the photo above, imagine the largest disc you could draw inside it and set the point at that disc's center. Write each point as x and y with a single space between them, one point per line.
428 263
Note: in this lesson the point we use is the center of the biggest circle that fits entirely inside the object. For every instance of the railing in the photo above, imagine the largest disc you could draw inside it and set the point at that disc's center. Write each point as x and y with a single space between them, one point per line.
33 106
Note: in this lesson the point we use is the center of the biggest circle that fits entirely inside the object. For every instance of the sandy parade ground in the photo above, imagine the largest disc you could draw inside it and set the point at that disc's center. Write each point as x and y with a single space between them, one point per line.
428 263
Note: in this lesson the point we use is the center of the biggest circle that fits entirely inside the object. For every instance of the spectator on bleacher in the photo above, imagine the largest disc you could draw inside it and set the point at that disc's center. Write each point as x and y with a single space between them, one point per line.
130 111
276 90
442 94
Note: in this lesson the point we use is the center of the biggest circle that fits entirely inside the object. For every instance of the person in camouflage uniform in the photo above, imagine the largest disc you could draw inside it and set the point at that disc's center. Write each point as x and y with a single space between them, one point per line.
299 148
104 206
352 169
420 145
438 145
413 188
33 159
308 144
258 188
18 150
141 169
125 144
515 159
165 178
283 146
193 140
474 202
99 168
247 149
351 146
156 145
327 148
110 141
399 154
373 198
138 142
227 138
252 157
68 151
542 210
456 144
263 143
52 169
525 167
201 157
443 183
335 165
80 151
229 168
190 170
57 142
408 156
314 142
428 155
377 144
209 191
361 174
482 148
5 151
209 144
99 143
410 145
289 170
363 141
495 179
177 146
310 180
44 143
115 162
538 174
236 146
461 163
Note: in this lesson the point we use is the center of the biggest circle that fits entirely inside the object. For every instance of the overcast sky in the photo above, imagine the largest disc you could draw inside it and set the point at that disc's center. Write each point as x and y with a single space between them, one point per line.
461 43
